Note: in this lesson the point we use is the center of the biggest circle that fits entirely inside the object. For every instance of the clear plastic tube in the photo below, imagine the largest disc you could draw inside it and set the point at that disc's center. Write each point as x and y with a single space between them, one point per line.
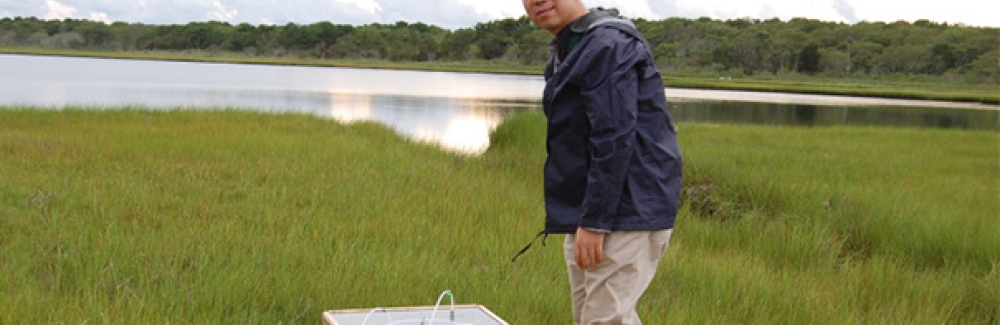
438 305
420 320
365 321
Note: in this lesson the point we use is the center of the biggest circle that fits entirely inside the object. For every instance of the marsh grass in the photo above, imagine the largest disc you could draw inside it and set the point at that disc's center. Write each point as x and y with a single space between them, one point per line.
206 217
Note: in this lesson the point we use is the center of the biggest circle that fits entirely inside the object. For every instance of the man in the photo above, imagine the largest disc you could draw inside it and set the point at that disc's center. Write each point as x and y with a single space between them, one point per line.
613 172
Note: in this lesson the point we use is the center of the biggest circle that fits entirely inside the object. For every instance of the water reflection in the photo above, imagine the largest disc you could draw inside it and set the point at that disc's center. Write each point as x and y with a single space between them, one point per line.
461 125
349 108
813 115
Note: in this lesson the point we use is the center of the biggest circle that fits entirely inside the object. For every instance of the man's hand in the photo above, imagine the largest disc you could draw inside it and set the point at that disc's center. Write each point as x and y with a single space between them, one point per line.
589 248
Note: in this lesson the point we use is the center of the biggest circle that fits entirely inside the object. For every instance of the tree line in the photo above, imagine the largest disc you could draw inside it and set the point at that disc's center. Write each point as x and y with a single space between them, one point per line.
681 46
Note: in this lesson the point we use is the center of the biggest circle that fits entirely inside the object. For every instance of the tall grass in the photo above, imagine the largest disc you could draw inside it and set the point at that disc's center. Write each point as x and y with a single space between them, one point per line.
206 217
842 225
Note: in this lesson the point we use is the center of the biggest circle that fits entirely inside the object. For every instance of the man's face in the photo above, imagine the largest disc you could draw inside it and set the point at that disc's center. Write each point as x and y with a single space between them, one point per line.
553 15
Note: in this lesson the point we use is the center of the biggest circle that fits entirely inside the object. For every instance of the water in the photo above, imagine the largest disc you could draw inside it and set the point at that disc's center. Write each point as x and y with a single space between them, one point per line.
833 115
455 110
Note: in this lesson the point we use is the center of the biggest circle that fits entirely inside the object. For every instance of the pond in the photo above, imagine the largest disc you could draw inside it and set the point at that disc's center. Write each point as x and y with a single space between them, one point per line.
455 110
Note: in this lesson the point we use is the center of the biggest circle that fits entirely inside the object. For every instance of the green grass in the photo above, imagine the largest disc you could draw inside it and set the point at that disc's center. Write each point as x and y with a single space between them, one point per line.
945 91
208 217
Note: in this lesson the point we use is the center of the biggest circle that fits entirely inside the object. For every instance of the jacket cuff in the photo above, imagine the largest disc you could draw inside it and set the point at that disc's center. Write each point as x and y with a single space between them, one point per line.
603 231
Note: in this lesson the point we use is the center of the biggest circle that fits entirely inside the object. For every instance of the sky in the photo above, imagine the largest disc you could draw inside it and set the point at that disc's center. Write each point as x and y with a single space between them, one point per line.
454 14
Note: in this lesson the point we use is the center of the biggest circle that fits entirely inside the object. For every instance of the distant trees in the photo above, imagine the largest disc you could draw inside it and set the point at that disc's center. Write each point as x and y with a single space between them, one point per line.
808 59
739 47
863 50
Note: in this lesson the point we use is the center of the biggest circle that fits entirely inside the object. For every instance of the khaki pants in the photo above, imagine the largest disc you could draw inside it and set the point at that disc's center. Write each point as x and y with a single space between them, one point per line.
609 293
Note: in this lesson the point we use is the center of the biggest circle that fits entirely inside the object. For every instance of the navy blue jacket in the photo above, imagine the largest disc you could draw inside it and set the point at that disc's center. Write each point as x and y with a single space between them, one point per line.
613 161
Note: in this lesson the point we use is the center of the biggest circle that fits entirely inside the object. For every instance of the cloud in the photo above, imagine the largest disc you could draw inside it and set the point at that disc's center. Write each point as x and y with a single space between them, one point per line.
99 16
370 6
495 9
58 11
665 8
450 14
845 10
222 13
26 8
767 12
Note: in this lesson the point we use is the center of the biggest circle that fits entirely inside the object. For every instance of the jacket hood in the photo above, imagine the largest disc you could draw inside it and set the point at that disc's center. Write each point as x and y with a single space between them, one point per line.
596 17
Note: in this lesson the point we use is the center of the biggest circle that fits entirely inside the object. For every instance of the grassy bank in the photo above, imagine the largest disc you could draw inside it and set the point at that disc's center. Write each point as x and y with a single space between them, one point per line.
208 217
850 87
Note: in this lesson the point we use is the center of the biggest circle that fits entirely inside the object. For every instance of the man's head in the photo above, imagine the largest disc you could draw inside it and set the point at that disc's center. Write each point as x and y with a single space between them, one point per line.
553 15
